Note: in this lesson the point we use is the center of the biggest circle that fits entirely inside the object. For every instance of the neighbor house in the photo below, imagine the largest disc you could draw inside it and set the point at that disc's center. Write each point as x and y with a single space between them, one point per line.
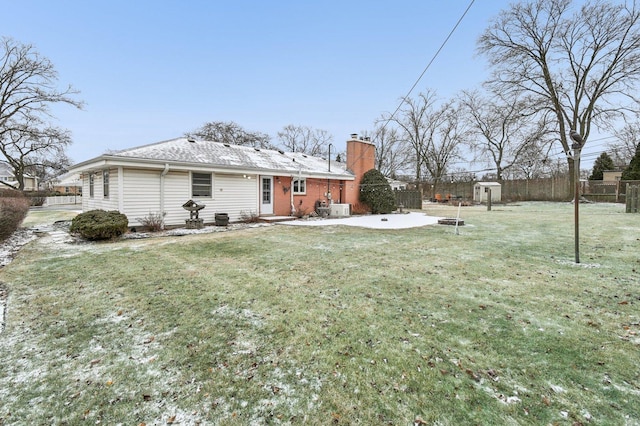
7 178
611 175
232 179
67 183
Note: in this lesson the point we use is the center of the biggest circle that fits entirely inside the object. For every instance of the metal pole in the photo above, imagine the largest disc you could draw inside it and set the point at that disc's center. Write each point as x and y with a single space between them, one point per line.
576 199
328 177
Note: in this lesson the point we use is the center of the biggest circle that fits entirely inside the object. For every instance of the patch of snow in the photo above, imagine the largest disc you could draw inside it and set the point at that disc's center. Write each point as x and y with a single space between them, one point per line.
12 245
373 221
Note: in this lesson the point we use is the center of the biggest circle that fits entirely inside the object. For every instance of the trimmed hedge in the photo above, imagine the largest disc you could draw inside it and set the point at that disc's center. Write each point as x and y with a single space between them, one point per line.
13 209
99 224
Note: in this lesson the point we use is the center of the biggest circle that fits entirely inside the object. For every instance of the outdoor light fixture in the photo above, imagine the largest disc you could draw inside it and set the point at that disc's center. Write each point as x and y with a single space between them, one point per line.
577 147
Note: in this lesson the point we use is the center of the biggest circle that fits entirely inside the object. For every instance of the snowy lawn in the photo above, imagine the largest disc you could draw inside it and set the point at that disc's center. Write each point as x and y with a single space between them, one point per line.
332 325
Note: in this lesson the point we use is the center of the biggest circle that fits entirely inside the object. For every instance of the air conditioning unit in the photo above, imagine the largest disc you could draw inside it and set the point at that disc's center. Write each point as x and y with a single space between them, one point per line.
340 210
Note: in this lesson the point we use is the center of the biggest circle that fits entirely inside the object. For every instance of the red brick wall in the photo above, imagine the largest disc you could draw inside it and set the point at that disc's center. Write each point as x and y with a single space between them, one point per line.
316 190
360 159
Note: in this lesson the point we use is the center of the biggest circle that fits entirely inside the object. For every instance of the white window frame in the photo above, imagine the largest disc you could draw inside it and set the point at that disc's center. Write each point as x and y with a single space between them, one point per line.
210 185
105 183
295 186
92 180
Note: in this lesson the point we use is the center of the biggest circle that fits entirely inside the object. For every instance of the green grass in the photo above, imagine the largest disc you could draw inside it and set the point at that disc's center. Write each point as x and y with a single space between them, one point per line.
333 325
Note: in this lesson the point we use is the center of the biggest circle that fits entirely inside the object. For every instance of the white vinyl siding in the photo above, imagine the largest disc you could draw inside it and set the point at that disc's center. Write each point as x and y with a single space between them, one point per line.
141 194
231 194
235 194
98 201
177 188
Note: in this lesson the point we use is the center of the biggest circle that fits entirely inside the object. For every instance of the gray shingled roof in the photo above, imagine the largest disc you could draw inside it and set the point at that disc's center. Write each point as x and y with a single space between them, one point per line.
219 155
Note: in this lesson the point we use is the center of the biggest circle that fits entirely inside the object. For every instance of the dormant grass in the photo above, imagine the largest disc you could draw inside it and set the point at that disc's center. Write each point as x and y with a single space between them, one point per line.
333 325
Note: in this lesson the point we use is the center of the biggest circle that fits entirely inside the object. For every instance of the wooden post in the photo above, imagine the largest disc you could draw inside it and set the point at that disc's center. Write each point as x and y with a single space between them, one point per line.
488 199
632 203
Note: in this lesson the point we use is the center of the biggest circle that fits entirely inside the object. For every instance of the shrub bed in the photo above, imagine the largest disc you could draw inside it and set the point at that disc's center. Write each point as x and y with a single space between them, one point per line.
13 209
99 224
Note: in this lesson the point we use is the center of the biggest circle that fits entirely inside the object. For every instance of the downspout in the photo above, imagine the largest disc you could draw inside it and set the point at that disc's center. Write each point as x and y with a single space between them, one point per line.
293 208
162 175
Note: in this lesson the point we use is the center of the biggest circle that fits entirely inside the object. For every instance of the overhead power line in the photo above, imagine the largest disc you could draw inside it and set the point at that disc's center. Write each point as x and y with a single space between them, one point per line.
455 27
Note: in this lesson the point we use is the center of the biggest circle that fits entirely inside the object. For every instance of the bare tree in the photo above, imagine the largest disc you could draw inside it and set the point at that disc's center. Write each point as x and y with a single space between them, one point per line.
27 91
447 134
30 149
414 121
623 150
505 135
391 156
230 133
533 162
581 66
305 139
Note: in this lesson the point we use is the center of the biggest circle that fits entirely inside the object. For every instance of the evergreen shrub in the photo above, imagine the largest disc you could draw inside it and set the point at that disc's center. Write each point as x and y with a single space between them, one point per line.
99 224
376 192
632 172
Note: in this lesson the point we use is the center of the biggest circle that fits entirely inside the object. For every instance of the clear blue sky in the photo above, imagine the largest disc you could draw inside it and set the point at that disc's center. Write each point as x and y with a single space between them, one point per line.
152 70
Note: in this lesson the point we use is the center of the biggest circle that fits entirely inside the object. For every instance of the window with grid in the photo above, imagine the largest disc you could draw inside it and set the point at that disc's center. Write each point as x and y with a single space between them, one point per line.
201 184
299 186
105 183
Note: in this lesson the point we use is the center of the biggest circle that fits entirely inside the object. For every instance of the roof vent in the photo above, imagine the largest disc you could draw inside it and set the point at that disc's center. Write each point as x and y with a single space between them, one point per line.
354 136
192 140
257 149
227 145
304 155
281 151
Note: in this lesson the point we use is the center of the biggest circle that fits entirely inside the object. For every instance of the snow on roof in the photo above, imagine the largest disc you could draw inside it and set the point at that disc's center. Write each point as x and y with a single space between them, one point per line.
5 169
228 156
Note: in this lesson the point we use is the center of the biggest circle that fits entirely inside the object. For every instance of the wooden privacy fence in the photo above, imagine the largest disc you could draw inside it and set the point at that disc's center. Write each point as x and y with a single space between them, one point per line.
409 199
632 198
555 188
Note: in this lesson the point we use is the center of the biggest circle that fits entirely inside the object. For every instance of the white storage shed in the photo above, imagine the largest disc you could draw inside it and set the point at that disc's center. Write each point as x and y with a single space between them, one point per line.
481 191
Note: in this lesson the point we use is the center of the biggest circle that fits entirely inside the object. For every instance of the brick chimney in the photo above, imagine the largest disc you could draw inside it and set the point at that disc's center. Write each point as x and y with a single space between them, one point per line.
361 157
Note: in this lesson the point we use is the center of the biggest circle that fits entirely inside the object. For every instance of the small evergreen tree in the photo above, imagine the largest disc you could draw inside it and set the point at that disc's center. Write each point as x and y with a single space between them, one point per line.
632 172
376 192
602 163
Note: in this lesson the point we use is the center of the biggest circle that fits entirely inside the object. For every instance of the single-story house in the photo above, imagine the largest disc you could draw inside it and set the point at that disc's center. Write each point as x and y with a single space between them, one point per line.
611 175
397 184
67 183
7 179
236 180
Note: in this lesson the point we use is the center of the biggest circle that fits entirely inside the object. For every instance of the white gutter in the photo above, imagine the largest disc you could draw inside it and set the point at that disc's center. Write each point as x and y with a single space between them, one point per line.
162 175
104 161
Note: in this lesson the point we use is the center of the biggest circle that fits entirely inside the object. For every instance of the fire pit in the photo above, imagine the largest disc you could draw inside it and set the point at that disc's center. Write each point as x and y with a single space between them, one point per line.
194 222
